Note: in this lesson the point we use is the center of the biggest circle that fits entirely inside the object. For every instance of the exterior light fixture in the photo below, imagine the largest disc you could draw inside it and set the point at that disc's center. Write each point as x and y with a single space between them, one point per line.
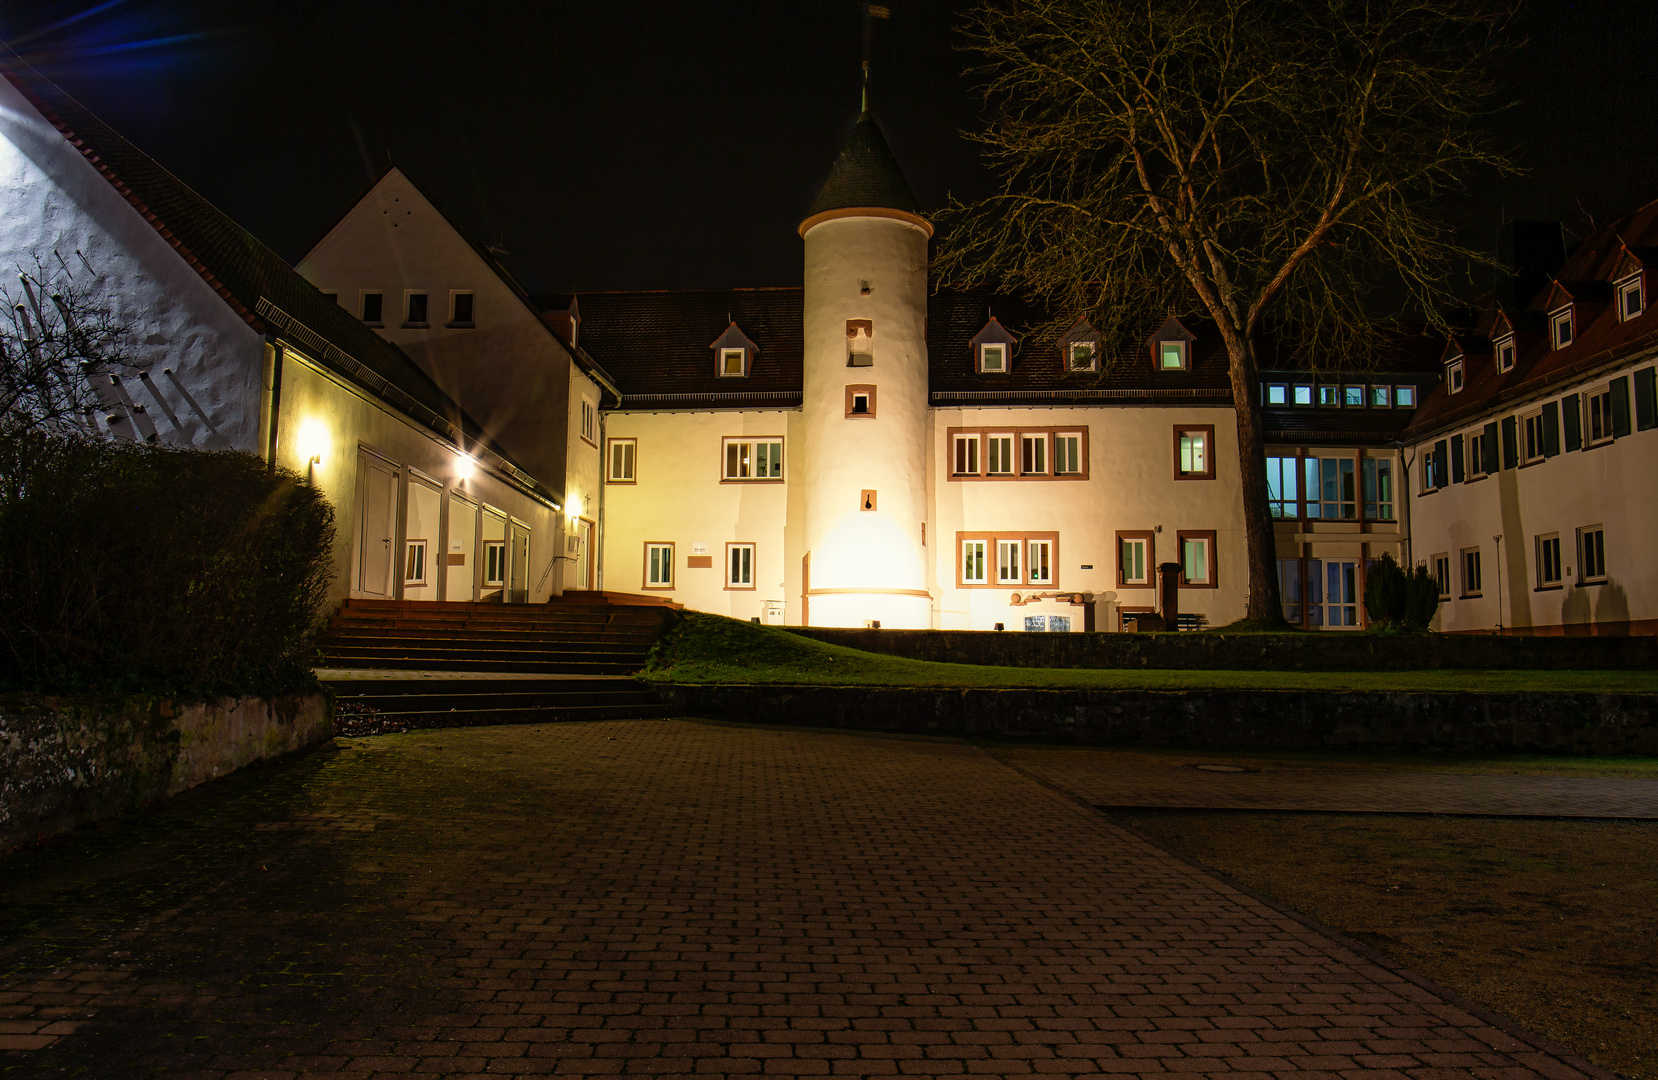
573 509
313 443
464 468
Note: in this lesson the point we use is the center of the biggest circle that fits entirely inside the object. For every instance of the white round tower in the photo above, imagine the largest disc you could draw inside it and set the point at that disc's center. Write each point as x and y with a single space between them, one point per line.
865 393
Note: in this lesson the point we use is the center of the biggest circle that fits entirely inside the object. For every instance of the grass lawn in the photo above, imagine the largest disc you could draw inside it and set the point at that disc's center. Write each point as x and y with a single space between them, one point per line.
702 648
1553 924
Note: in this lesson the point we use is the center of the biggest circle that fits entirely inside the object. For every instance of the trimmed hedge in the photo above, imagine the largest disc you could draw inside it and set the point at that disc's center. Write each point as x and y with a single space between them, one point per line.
128 567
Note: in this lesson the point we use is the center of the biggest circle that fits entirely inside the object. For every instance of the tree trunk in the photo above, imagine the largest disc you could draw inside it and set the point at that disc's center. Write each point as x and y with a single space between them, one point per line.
1265 605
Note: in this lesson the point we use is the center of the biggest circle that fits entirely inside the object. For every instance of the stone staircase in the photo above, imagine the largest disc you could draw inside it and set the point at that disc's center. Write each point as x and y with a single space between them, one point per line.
401 664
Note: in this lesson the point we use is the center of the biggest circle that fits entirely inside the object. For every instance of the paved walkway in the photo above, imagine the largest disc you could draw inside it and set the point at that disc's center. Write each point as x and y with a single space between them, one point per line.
678 898
1111 780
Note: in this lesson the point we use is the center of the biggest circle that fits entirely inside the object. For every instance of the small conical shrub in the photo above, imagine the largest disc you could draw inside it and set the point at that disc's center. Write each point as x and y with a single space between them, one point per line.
1385 586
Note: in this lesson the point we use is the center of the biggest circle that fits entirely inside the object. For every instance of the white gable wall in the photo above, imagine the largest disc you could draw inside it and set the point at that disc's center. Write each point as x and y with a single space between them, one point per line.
54 203
508 371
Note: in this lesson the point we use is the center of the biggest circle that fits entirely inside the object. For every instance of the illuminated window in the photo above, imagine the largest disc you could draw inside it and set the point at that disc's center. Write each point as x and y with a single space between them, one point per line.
753 459
1277 394
1171 356
993 358
1404 397
733 362
1193 457
1303 394
1381 397
1352 397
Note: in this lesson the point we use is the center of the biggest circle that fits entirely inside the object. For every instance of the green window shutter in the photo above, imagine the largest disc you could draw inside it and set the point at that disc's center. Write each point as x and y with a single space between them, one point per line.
1511 443
1646 398
1488 449
1620 407
1439 464
1573 413
1551 429
1456 459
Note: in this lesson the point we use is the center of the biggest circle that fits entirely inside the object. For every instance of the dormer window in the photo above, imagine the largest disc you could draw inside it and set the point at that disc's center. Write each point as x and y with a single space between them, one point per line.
1453 376
1506 353
1080 347
992 349
1631 298
993 359
1560 328
1080 356
1171 347
733 353
1171 355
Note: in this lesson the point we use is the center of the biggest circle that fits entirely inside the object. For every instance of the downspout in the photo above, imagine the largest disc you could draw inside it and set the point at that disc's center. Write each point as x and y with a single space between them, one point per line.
598 528
275 402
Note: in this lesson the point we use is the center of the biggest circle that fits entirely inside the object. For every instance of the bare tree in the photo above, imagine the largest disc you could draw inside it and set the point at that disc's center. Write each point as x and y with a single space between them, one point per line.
1261 163
59 349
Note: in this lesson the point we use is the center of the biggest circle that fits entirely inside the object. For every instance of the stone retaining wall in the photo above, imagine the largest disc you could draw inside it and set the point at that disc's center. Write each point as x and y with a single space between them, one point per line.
1563 723
1330 651
68 761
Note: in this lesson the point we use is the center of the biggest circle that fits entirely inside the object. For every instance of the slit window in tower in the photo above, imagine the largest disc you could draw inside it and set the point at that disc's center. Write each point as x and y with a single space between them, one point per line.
860 343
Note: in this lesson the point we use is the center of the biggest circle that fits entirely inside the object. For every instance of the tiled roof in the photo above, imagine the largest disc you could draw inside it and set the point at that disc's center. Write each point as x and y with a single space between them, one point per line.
1600 337
251 278
865 174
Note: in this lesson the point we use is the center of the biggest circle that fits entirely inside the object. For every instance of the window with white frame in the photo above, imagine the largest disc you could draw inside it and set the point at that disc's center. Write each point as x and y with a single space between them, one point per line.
495 562
1033 454
621 458
1471 572
1192 453
1453 376
1067 454
753 459
733 362
460 308
1080 355
1531 437
1134 559
1172 355
1561 328
1598 405
993 358
1381 397
739 566
1283 498
1631 298
1548 561
414 562
975 567
1441 569
998 455
966 455
659 566
1404 397
1378 488
1197 558
1039 562
1352 397
1007 562
1506 354
1276 393
1303 394
1332 489
590 421
1591 554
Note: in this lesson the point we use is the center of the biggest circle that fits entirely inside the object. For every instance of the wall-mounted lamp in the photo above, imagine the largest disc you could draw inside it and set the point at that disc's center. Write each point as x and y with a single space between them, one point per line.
465 467
313 443
573 508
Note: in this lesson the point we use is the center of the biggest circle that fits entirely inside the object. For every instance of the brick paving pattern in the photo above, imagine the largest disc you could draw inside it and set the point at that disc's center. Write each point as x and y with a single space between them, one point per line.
677 898
1108 780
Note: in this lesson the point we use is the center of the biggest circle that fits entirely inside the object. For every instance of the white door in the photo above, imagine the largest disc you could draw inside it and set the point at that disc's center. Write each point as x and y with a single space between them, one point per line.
518 591
376 529
1341 594
460 562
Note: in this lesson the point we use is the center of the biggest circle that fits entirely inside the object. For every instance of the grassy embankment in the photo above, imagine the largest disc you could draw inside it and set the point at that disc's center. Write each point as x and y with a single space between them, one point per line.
702 648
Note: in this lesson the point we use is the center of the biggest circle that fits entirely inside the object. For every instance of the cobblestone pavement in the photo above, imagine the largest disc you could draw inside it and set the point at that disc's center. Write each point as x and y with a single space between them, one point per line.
673 897
1110 780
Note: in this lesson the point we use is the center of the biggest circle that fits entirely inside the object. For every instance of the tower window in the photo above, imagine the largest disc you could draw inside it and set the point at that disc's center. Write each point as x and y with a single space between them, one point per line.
860 400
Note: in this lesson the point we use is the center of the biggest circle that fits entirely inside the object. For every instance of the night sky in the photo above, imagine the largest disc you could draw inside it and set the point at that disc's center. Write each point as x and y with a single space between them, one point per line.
610 145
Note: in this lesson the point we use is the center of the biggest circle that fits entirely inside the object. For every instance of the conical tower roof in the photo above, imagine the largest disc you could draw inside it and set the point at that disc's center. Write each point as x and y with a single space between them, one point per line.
865 175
